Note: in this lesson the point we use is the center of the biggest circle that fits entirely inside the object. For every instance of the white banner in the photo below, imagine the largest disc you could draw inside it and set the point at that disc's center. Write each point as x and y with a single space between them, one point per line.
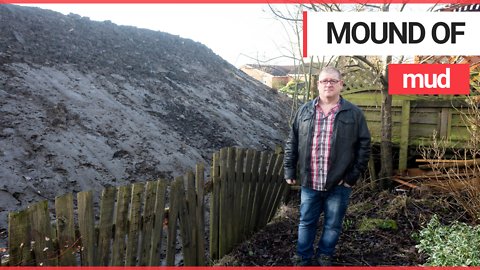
392 33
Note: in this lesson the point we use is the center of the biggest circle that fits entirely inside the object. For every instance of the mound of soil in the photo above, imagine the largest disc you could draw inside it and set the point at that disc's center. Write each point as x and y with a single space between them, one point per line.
86 104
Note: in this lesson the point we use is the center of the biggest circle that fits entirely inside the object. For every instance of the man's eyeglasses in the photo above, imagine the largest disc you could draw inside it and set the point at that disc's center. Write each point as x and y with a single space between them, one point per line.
325 82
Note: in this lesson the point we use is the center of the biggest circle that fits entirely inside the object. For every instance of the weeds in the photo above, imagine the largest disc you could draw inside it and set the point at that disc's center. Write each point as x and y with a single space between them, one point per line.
459 176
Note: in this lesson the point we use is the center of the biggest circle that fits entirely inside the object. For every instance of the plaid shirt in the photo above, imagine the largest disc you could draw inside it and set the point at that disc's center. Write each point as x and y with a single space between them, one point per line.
321 144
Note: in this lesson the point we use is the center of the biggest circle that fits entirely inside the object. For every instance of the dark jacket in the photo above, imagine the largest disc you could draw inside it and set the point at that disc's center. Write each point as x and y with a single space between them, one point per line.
350 145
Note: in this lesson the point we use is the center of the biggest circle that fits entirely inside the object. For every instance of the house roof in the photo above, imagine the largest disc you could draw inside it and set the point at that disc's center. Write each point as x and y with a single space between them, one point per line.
271 69
277 70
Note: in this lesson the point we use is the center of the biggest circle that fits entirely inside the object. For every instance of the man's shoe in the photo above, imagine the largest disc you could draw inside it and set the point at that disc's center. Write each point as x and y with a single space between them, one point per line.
304 262
324 260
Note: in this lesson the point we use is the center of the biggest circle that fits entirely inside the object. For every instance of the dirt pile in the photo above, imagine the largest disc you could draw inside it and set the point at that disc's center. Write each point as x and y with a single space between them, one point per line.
89 104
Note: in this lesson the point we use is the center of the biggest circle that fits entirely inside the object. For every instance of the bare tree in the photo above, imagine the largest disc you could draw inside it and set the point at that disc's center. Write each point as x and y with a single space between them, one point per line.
290 17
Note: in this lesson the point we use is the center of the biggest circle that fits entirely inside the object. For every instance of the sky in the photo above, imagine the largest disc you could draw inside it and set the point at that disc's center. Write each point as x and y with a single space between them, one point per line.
239 33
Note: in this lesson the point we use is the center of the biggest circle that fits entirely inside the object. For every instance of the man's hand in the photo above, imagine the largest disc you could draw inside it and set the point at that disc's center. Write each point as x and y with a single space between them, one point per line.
291 181
344 183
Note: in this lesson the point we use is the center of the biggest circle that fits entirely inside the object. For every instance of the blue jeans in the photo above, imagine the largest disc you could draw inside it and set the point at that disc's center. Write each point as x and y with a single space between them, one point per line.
334 205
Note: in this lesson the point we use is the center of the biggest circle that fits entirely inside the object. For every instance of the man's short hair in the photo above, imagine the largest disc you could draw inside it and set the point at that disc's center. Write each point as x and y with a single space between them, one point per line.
331 70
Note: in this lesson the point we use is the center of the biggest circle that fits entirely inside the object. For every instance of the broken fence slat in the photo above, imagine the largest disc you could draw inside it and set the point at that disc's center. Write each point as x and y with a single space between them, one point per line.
468 161
404 182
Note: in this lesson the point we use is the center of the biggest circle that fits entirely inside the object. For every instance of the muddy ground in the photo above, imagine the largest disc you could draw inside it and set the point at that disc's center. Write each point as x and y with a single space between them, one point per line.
359 244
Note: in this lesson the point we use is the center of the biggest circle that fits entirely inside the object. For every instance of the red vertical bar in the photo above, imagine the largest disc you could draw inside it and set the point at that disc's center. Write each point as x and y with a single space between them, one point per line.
305 34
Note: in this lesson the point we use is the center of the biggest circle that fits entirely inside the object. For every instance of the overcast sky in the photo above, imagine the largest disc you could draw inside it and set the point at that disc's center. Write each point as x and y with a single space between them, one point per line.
233 31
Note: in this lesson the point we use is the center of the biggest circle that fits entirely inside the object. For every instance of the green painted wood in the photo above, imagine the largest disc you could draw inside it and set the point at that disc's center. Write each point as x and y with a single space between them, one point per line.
67 241
449 123
425 131
458 118
444 116
199 212
41 229
121 226
215 208
371 168
148 217
157 233
404 136
86 226
134 218
428 113
19 239
107 205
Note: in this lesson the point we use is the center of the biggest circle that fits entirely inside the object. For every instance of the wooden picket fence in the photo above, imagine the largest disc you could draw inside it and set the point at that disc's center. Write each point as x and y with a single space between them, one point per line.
248 188
138 226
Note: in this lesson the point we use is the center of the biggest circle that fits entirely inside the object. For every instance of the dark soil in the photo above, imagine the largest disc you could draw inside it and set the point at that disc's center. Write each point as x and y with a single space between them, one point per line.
275 245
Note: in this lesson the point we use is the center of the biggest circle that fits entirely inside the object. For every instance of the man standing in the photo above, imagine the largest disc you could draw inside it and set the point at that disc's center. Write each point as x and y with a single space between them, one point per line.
330 141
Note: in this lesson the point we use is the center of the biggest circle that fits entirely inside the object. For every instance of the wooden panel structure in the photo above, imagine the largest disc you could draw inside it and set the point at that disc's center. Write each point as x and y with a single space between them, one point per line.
247 189
35 239
415 119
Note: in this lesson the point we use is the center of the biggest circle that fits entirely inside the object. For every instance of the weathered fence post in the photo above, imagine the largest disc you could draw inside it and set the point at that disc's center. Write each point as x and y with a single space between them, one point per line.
215 208
134 216
121 226
157 233
65 230
86 226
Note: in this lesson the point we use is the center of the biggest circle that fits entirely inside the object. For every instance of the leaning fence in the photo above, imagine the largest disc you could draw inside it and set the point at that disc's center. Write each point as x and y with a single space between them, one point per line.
154 223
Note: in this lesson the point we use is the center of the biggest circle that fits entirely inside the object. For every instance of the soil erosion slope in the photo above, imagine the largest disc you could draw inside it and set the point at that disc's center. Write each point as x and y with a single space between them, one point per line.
88 104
